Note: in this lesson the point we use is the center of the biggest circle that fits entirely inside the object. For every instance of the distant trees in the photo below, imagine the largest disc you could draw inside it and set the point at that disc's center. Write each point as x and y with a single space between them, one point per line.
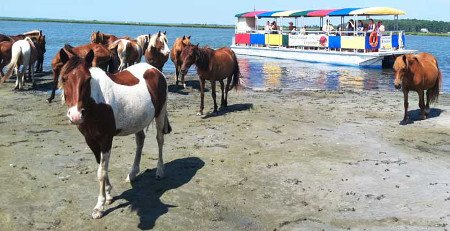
414 25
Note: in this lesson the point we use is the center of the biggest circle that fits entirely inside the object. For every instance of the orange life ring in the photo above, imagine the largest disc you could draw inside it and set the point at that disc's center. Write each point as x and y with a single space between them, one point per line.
373 39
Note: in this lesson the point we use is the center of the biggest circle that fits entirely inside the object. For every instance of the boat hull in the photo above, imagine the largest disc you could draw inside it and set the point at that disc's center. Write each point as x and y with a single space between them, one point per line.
366 60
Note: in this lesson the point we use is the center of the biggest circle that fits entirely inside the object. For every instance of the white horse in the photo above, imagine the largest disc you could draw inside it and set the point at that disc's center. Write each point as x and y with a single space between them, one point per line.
23 53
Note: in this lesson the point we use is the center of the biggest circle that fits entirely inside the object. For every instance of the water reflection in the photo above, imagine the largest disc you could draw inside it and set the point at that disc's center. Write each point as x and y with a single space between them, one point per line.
266 73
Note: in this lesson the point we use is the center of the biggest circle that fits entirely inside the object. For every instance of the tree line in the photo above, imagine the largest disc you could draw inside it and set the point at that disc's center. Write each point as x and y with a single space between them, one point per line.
414 25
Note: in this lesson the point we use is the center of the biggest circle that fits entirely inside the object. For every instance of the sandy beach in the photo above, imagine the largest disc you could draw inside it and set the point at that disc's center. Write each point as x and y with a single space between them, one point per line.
280 160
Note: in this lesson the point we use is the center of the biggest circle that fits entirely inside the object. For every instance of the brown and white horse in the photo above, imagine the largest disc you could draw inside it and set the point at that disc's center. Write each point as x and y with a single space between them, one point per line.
23 53
175 53
418 72
105 106
157 52
128 51
103 58
102 38
212 65
5 54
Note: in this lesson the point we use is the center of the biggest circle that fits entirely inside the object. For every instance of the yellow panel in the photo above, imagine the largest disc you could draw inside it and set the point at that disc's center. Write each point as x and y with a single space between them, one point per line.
377 11
353 42
274 39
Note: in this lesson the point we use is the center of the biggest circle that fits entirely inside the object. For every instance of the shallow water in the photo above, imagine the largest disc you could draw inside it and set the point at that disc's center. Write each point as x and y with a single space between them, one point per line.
258 73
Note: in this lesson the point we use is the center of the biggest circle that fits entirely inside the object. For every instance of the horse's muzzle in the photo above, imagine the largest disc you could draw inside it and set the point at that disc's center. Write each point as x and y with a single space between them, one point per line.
398 86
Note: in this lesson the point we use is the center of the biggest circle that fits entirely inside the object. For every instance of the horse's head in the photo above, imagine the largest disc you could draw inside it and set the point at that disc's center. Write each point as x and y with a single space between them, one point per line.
143 41
75 81
186 40
96 37
402 68
159 42
189 55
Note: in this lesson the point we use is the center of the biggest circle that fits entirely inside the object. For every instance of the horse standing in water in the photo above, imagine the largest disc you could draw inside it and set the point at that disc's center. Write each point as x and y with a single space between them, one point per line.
418 72
175 53
23 53
157 52
212 65
105 106
103 58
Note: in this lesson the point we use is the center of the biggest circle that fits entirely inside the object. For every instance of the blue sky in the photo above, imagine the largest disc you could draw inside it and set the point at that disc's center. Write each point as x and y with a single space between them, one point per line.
199 11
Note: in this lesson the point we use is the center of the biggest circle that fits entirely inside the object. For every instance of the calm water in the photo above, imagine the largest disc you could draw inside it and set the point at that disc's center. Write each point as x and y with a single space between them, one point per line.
259 73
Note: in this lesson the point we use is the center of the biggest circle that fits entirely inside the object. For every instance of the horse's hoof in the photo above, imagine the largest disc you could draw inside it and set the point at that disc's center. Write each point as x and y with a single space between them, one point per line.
184 85
49 100
108 201
97 214
199 113
404 122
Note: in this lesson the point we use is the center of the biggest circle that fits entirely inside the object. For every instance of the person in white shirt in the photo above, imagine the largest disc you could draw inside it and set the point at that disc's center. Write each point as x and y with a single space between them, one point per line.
267 27
371 26
380 27
327 27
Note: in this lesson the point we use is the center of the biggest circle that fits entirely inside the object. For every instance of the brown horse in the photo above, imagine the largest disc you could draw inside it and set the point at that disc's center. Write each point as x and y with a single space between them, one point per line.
40 44
5 54
103 58
212 65
103 106
175 53
157 52
418 72
102 38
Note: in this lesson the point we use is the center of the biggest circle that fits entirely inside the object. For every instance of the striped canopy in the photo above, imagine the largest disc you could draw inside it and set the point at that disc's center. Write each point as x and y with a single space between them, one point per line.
323 13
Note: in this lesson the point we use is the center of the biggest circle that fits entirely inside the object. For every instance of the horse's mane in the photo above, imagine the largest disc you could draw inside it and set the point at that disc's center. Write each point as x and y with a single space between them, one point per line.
152 42
73 63
204 55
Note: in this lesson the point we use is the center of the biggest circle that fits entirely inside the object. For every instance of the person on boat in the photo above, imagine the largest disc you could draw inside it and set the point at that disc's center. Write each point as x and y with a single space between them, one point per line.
303 30
371 26
292 27
327 28
380 27
350 27
267 27
274 28
360 25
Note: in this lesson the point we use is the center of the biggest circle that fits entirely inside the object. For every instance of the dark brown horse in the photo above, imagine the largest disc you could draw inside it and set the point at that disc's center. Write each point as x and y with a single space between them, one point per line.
175 53
103 107
157 52
212 65
40 42
418 72
103 58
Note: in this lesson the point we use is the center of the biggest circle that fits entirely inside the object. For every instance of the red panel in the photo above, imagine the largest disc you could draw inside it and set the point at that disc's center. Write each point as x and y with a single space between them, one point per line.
320 13
252 14
242 39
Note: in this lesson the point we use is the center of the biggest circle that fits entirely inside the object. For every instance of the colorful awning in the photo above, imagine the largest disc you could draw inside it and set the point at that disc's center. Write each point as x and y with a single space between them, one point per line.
323 13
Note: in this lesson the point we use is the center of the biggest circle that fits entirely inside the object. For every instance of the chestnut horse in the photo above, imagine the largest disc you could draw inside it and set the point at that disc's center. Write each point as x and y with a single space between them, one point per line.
129 52
418 72
175 54
103 58
105 106
157 52
5 54
23 53
212 65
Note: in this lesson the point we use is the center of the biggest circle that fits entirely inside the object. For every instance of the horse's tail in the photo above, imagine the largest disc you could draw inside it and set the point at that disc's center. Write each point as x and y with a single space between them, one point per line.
434 91
236 73
113 46
12 64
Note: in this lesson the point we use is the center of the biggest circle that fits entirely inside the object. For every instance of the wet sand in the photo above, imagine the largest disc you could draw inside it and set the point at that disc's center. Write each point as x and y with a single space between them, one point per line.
282 160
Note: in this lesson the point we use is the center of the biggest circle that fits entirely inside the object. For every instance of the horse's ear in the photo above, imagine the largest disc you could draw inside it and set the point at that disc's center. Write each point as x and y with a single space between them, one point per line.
197 45
89 57
63 56
165 32
189 37
405 60
184 37
159 33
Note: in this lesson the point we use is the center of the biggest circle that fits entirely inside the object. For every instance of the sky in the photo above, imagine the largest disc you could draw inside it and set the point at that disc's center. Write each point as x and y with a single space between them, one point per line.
199 11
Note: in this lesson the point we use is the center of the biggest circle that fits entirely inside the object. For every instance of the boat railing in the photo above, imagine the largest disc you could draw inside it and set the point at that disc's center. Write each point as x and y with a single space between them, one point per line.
356 41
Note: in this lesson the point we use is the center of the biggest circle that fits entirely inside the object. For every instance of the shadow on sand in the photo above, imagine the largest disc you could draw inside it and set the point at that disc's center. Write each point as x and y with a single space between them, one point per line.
144 196
414 115
230 108
190 85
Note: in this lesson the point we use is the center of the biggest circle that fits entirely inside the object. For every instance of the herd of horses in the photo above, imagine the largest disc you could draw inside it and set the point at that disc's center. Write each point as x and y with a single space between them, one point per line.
109 92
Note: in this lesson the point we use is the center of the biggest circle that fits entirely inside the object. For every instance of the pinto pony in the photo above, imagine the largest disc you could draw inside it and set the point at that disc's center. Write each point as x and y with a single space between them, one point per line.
129 52
212 65
418 72
103 106
103 58
157 52
175 53
23 53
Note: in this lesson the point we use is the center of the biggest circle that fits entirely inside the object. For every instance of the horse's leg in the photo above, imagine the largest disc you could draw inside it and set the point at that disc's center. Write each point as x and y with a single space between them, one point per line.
55 84
227 89
33 81
405 103
427 106
177 72
140 137
160 127
421 104
222 98
202 96
16 70
21 76
102 175
213 94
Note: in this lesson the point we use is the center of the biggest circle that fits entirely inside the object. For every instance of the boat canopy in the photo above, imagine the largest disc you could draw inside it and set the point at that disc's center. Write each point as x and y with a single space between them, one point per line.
368 11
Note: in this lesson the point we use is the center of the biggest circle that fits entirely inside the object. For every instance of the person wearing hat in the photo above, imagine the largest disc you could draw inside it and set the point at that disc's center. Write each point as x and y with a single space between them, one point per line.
292 27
